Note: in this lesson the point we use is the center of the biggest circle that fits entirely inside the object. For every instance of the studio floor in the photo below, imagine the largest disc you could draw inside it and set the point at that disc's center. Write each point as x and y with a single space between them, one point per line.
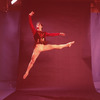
8 92
56 94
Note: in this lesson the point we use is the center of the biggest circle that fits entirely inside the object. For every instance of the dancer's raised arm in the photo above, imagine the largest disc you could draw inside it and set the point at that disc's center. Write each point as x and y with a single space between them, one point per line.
31 24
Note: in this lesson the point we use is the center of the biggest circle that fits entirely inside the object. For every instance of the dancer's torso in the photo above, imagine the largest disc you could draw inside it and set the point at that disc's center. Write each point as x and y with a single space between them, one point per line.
39 37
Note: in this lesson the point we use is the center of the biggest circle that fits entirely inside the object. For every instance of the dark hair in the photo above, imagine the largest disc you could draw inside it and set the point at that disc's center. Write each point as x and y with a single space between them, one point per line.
38 23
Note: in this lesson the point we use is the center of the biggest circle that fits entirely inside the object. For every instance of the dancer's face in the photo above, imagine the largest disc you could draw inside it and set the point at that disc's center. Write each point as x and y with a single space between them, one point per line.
39 26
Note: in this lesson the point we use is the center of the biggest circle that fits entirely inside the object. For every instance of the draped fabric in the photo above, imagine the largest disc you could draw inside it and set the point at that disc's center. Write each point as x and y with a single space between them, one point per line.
95 48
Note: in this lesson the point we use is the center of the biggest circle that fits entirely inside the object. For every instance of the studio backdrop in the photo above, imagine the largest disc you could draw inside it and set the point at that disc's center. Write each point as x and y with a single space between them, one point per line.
69 68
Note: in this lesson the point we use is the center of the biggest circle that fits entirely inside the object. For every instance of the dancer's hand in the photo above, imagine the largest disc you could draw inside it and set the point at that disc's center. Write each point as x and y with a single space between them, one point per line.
31 13
62 34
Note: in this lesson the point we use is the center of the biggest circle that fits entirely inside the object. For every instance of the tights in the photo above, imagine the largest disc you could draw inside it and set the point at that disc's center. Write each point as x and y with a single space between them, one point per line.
40 48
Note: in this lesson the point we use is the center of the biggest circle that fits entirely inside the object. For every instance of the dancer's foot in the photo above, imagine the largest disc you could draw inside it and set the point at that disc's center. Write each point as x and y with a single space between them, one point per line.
25 75
70 43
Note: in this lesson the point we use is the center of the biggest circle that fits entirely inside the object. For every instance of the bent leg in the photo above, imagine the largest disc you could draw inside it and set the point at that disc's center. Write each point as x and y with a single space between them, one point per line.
61 46
35 54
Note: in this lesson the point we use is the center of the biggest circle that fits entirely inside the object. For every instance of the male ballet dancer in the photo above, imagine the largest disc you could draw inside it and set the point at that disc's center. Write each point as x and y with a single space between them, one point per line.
40 42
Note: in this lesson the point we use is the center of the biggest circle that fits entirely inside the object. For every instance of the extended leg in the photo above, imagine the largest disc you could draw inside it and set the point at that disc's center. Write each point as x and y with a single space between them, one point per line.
61 46
35 54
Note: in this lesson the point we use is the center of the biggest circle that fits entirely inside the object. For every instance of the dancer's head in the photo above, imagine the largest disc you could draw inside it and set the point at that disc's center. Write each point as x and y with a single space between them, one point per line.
39 26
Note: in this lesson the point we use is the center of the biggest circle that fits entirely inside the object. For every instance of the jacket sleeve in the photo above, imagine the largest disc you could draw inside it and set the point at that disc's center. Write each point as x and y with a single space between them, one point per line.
52 34
31 25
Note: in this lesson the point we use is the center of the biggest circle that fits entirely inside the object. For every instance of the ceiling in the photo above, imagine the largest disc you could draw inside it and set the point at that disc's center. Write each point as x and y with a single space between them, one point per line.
64 0
5 3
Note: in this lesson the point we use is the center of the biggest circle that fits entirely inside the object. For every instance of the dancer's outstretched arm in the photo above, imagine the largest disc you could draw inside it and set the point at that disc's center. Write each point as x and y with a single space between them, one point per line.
55 34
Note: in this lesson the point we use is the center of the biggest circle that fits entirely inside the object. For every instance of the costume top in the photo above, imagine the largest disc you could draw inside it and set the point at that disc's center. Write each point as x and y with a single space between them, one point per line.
39 36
